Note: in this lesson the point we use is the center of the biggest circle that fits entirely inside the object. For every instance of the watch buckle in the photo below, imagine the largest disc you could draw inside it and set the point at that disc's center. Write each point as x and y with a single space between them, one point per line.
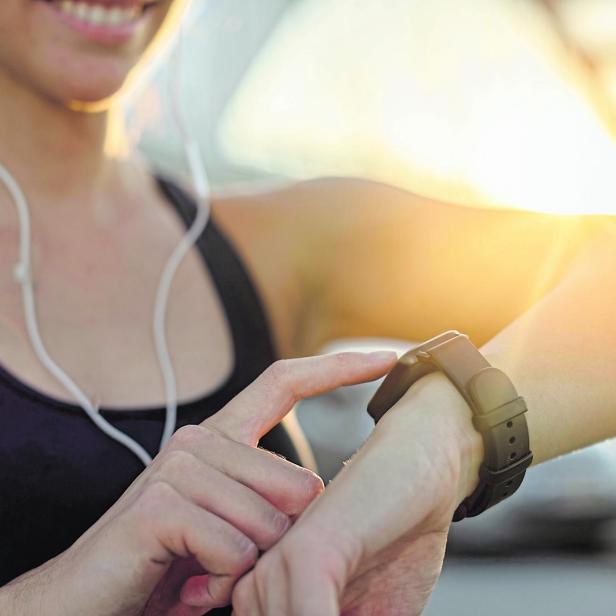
494 477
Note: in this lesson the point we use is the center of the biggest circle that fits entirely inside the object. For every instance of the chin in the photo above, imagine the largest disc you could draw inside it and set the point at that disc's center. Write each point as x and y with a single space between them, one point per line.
79 52
78 89
93 92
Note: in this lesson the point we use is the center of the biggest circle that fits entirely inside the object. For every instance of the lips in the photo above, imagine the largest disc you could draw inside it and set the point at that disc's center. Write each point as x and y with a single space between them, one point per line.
101 13
106 22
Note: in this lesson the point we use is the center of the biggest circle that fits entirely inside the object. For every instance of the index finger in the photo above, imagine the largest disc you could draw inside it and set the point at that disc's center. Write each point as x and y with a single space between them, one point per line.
264 403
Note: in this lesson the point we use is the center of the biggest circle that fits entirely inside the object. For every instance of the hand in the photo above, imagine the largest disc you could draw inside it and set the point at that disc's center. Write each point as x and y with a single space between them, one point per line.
374 542
183 591
198 516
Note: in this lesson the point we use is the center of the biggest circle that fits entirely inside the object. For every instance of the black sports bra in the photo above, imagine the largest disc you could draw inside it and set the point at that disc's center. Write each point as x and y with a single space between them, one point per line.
59 474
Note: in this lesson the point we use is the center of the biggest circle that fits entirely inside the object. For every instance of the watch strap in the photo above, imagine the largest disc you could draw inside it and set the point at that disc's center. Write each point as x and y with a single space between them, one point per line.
498 412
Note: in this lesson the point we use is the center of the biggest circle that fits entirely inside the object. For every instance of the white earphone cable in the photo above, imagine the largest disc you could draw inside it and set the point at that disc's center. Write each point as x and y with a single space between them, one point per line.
201 187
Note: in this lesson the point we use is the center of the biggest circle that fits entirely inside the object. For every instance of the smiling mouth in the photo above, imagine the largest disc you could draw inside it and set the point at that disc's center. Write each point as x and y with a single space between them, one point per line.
97 14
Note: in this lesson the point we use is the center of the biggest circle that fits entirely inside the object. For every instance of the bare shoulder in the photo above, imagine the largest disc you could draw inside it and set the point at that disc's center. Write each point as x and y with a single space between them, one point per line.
300 213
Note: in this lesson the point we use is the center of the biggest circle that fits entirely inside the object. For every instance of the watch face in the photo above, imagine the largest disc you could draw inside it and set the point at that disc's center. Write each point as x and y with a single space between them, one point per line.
407 371
412 366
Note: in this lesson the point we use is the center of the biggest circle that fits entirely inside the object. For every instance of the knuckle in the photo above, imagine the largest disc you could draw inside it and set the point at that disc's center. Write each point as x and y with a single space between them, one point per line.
306 487
278 524
177 462
210 433
279 378
187 437
344 358
246 554
312 484
156 497
278 372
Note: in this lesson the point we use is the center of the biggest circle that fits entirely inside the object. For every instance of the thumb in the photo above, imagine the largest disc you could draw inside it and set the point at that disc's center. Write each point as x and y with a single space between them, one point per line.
264 403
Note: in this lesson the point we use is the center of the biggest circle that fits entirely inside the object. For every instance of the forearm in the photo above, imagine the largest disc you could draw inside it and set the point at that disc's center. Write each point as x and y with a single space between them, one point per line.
561 355
30 594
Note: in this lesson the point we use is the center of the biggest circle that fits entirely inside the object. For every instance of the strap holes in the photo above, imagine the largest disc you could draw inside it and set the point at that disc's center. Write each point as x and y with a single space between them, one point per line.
505 494
510 424
513 455
509 484
512 440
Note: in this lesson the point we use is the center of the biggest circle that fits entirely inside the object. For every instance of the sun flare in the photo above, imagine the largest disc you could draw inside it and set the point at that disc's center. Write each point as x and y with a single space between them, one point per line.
475 103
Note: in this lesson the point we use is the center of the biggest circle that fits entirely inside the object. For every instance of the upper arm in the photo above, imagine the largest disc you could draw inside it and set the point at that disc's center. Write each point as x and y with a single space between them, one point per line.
348 258
395 264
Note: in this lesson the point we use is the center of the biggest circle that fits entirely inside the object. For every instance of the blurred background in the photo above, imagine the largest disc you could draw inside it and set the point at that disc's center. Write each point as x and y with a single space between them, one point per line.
486 103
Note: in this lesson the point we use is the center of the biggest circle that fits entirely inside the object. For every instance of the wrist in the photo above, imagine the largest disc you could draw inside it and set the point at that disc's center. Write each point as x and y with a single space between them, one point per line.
38 591
446 420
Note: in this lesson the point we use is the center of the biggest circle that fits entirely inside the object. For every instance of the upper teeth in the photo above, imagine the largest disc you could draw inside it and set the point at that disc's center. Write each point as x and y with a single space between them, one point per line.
99 15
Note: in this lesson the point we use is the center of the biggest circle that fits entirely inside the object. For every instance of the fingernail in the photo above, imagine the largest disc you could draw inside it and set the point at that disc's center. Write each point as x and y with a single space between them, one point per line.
382 356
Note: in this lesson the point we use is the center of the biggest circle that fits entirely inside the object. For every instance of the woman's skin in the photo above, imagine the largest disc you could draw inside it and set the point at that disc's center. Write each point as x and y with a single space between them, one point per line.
384 554
332 259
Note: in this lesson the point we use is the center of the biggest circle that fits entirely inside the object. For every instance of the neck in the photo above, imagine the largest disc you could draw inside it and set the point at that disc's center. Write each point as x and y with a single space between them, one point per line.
51 150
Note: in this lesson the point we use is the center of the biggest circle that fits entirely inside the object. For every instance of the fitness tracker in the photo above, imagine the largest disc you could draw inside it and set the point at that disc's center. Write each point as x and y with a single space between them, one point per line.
498 412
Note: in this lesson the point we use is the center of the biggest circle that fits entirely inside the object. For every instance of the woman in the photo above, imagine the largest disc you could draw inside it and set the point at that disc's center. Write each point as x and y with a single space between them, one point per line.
327 259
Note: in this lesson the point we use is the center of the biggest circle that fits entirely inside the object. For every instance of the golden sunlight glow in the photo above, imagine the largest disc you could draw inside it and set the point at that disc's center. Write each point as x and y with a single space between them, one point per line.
473 102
